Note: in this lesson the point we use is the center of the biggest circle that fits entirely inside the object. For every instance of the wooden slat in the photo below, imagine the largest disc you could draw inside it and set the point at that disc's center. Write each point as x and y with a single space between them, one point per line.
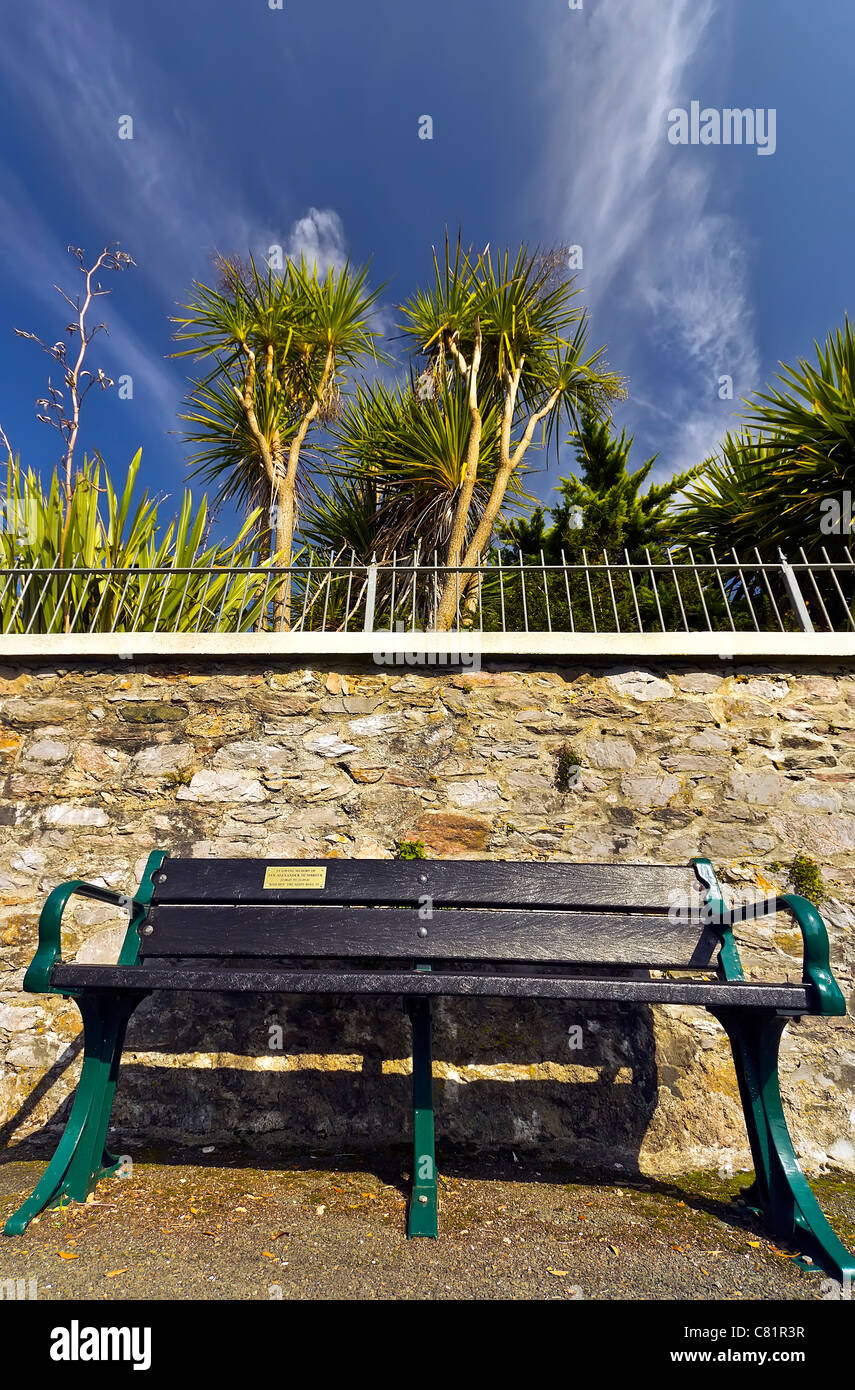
713 993
463 883
499 934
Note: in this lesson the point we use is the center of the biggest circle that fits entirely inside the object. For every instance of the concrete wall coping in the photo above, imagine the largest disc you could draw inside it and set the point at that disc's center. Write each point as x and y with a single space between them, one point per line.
432 648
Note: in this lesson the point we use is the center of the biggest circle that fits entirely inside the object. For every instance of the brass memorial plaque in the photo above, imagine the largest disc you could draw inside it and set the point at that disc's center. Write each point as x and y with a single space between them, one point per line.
293 876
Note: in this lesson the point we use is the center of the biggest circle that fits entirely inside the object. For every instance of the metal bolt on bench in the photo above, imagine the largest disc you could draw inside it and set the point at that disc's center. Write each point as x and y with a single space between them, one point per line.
507 930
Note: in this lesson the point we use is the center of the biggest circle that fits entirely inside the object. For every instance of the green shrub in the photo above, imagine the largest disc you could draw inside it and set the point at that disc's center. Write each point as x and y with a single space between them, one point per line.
411 849
567 766
92 554
806 878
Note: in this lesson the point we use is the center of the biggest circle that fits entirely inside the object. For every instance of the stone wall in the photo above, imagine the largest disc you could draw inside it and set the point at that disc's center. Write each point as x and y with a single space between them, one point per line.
104 762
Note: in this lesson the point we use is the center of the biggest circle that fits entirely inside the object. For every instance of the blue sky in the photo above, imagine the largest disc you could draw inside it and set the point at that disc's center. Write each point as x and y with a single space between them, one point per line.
299 127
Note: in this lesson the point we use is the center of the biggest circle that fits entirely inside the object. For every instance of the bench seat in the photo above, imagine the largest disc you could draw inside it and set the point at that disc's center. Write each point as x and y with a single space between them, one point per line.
740 994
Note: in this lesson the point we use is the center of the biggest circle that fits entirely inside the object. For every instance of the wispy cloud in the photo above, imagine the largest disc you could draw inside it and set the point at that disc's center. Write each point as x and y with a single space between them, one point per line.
664 269
319 236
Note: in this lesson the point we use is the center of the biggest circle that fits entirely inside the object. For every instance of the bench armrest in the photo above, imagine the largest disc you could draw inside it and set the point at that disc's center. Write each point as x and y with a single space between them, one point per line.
816 967
49 949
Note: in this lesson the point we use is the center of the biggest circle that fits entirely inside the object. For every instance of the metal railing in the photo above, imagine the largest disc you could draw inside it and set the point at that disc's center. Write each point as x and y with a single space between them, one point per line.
671 592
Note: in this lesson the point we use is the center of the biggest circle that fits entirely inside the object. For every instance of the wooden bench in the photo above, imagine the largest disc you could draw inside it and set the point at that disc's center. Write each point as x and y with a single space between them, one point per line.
634 933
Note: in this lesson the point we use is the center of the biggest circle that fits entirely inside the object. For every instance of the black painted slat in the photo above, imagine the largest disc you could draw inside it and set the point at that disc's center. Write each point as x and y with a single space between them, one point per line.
391 933
142 979
461 883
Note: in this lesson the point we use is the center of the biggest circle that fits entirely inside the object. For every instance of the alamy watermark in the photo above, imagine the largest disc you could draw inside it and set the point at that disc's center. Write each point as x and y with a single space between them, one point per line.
406 648
19 1289
19 518
731 125
695 906
76 1343
836 515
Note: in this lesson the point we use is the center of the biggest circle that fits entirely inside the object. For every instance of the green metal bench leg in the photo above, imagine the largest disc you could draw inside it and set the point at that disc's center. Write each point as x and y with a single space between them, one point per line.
780 1188
81 1158
423 1216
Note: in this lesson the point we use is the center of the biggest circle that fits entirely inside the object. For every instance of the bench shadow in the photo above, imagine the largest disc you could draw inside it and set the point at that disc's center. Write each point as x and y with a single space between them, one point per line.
524 1091
32 1101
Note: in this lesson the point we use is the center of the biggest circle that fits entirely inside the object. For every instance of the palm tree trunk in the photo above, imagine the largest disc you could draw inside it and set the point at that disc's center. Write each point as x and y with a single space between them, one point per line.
285 501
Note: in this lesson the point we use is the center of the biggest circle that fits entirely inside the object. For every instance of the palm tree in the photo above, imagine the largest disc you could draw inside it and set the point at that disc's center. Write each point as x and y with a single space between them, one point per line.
516 338
282 345
393 481
765 486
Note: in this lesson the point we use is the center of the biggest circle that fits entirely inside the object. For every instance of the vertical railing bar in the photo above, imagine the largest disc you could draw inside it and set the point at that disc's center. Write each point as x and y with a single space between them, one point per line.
545 592
140 602
203 599
122 601
22 595
59 602
567 590
501 589
50 572
608 565
812 577
177 624
435 600
40 599
228 577
416 557
243 601
10 579
307 591
762 568
700 589
328 583
368 624
668 552
631 577
794 593
833 572
82 600
265 599
590 595
329 580
849 557
816 588
521 568
723 590
745 590
10 583
349 587
166 576
108 574
662 626
53 574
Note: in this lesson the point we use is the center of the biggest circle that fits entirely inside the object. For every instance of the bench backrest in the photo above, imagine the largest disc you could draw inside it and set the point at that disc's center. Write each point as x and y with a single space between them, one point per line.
428 911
